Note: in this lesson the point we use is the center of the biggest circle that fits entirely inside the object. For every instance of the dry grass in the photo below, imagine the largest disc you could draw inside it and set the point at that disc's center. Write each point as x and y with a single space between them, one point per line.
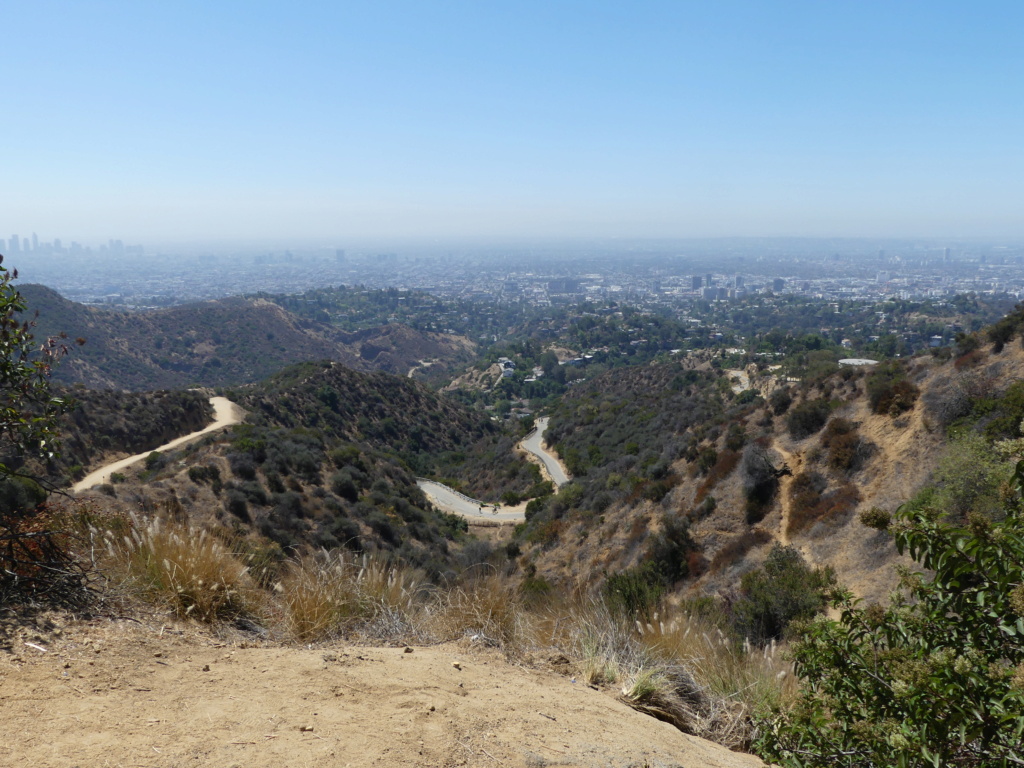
679 668
328 594
187 569
486 607
736 679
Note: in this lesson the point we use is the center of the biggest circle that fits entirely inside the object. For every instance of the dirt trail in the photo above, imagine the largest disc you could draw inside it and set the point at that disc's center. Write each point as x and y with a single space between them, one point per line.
119 694
225 414
794 461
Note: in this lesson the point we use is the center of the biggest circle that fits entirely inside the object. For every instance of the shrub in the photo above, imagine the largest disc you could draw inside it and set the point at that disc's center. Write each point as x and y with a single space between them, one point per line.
845 450
783 590
155 461
384 527
937 678
672 548
202 474
888 390
235 503
724 464
810 501
970 478
706 460
807 418
636 592
242 465
780 400
1003 331
735 437
344 486
760 479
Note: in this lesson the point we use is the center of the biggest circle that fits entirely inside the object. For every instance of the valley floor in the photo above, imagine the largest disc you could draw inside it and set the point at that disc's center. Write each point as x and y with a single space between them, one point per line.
116 693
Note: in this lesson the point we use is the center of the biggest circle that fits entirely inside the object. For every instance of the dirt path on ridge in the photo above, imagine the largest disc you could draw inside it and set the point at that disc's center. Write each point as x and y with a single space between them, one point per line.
225 414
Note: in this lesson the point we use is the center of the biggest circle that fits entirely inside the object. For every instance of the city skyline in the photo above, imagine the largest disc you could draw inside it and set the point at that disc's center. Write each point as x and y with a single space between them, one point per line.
192 122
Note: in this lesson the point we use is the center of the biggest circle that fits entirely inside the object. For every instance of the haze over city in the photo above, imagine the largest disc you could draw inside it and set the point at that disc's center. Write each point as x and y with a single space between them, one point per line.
327 122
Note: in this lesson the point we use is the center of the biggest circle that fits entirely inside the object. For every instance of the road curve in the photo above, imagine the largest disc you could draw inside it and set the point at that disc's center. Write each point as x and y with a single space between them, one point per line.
225 414
535 445
445 498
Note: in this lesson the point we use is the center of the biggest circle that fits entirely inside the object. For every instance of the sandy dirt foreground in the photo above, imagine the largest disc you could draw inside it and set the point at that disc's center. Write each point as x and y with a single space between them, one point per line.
124 694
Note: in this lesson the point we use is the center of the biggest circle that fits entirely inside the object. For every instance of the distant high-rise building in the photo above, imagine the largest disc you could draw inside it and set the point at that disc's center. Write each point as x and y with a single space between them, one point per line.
339 255
14 244
56 245
697 282
881 255
945 255
778 284
35 242
709 279
739 281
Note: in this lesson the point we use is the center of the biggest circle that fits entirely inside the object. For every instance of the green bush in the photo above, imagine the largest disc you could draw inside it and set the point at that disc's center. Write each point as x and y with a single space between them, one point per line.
971 478
807 418
782 591
672 551
935 679
236 503
636 592
780 400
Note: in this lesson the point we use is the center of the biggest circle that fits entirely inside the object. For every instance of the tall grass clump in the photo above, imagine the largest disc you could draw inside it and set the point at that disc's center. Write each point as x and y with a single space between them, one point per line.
678 667
330 594
736 680
487 607
190 570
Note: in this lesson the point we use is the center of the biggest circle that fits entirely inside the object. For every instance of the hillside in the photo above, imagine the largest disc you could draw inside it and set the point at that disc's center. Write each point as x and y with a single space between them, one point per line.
655 449
327 458
105 424
219 343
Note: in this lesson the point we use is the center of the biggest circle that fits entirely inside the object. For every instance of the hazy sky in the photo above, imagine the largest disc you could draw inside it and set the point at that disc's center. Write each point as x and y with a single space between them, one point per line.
157 120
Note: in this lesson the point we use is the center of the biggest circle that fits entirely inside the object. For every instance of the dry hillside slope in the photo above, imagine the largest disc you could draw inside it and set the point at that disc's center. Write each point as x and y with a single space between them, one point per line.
219 343
815 508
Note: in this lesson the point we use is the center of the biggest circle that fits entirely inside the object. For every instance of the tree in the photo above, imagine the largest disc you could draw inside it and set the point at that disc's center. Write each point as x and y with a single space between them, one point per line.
30 558
935 679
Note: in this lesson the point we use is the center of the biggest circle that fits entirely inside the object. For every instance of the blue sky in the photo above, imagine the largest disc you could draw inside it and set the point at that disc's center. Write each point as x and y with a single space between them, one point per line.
192 120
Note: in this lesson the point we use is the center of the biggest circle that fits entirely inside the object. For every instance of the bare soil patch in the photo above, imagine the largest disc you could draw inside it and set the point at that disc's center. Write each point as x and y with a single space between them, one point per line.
120 693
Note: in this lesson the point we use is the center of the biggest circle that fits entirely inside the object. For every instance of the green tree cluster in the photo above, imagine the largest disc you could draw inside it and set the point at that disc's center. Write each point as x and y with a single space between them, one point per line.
937 678
31 561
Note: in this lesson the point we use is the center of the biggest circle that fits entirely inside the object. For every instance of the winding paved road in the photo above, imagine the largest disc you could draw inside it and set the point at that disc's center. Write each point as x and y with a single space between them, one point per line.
534 444
445 498
225 414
